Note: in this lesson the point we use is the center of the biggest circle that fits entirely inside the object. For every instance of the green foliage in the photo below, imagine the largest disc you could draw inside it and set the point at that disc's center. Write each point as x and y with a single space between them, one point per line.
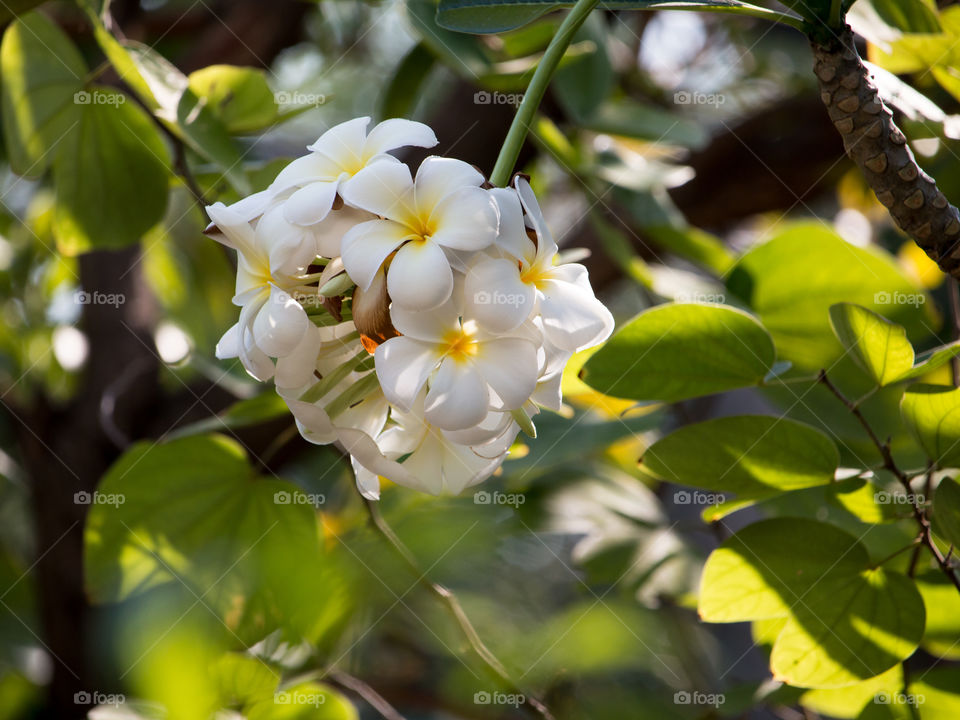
495 16
947 517
193 511
791 281
111 166
878 345
753 456
846 619
674 352
239 97
932 413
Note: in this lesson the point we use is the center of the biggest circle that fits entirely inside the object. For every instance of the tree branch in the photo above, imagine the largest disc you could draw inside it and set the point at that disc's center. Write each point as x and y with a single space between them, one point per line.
889 464
456 611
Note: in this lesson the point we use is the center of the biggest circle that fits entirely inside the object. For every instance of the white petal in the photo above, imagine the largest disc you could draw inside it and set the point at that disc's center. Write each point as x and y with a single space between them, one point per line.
466 219
458 397
368 483
420 277
430 326
280 325
549 393
344 143
312 421
255 360
512 234
462 467
509 366
235 231
296 369
290 247
364 247
403 366
573 319
383 188
437 177
495 295
307 169
395 133
546 245
311 203
229 345
489 429
252 206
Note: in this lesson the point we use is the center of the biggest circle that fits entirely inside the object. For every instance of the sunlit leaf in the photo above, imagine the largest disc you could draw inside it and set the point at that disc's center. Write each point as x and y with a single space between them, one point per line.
932 413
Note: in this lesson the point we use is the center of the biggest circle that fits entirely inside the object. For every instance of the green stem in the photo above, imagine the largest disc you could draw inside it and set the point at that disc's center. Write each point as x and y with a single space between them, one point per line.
836 13
536 90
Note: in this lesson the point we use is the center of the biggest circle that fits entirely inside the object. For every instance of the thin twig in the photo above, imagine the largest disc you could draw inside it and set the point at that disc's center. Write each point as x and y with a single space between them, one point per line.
371 696
456 611
889 464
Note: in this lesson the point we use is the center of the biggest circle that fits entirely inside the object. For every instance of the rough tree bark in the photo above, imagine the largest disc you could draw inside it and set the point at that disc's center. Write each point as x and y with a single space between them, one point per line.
875 143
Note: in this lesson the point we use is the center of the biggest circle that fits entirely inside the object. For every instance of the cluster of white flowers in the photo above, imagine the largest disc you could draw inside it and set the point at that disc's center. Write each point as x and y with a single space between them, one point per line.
427 334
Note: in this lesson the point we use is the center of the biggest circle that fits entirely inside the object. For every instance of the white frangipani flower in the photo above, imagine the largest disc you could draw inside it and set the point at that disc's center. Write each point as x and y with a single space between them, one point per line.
467 369
444 209
445 322
520 277
272 323
309 185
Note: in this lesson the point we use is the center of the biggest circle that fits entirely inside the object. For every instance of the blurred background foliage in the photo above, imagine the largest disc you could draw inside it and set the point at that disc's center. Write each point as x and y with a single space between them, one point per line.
688 152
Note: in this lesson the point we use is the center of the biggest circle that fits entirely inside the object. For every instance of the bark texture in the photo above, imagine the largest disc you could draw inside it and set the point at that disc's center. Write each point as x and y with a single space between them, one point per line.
878 147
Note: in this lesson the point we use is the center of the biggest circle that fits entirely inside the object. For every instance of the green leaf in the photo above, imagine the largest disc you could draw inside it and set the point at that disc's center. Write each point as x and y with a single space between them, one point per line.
644 121
932 413
12 8
792 280
879 346
239 96
946 511
849 702
931 360
941 637
111 175
910 16
251 411
496 16
938 688
674 352
304 701
42 71
846 621
753 456
403 89
583 84
192 511
462 54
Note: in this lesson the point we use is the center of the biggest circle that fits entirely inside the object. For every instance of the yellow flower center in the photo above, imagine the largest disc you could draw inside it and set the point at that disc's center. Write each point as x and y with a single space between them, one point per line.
460 344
